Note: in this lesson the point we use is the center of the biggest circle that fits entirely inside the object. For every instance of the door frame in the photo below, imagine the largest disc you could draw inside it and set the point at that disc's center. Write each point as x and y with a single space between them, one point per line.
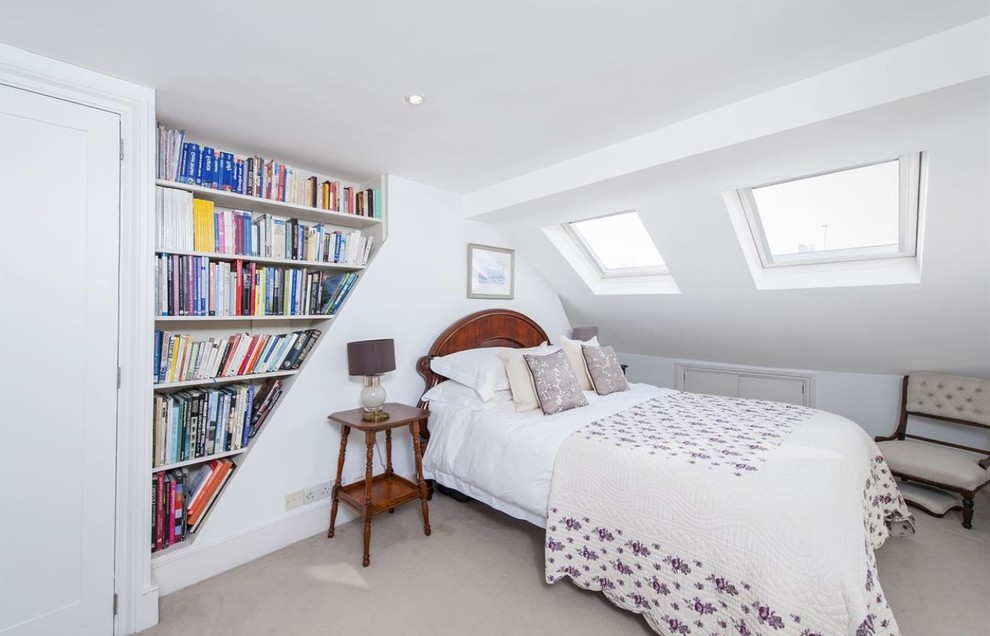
137 593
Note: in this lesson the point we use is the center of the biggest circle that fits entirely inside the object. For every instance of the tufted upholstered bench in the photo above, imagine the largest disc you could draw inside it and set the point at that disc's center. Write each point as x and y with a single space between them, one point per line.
944 465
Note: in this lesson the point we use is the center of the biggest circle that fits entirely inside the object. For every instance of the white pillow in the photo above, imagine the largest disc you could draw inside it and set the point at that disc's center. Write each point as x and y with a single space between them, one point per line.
481 369
456 394
573 350
520 378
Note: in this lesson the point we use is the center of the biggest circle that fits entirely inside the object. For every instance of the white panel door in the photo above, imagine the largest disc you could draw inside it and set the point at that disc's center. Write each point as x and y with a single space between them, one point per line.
711 382
789 390
59 215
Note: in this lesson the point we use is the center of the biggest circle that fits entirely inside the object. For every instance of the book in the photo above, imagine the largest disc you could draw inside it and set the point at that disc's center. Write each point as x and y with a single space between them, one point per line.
220 469
227 470
314 335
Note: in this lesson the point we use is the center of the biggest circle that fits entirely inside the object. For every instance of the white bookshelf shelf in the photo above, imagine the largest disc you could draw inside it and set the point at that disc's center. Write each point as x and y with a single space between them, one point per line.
224 380
198 460
266 261
312 317
257 204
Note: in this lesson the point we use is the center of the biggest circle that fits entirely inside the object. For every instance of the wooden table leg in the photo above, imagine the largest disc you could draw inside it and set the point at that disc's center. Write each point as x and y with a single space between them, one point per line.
344 432
388 452
419 475
369 438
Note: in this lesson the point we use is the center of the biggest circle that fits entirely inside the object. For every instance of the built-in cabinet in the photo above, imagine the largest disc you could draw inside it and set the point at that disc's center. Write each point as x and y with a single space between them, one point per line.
758 384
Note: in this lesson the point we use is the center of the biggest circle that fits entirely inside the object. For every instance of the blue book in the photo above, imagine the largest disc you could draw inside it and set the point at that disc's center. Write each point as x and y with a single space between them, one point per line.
246 224
327 290
237 185
183 161
158 353
192 164
292 293
245 434
227 176
346 289
208 172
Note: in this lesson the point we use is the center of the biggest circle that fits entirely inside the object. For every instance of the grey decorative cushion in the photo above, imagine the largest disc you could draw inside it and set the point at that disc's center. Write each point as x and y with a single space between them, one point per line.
604 369
557 387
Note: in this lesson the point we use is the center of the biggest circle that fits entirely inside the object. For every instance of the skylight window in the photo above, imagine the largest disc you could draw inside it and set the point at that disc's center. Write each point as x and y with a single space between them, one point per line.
862 213
618 245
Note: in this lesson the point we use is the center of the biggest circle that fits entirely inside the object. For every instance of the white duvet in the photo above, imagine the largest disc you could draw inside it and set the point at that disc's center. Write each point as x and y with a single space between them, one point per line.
767 529
505 459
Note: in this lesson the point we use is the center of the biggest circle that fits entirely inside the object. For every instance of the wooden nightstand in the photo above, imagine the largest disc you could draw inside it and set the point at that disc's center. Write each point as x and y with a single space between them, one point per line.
377 493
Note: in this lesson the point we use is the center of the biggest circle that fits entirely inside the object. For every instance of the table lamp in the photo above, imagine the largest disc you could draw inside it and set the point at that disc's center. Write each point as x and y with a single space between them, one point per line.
372 358
584 333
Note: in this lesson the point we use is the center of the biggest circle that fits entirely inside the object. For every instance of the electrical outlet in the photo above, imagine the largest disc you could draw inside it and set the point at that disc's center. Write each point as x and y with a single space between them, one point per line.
317 492
324 490
294 499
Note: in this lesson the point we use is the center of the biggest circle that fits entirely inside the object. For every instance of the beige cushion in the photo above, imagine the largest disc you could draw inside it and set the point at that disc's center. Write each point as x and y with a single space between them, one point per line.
520 379
954 396
933 462
573 350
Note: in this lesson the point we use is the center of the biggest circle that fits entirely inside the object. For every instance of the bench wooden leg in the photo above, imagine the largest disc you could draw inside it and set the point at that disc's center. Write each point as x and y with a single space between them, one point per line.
967 513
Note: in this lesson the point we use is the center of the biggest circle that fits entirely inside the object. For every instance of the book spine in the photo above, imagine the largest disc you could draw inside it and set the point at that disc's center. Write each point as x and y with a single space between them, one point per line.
208 162
170 521
154 513
314 335
160 512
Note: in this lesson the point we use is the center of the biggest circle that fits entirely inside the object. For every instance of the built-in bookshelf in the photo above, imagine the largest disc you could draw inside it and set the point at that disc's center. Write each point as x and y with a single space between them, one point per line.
253 260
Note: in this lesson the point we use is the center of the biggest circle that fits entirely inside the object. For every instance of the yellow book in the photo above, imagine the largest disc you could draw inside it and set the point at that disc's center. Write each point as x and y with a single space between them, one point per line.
198 224
210 219
260 293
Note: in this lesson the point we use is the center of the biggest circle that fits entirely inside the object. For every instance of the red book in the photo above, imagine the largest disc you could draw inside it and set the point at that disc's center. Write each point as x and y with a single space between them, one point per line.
160 511
170 512
238 278
220 469
253 361
248 355
235 341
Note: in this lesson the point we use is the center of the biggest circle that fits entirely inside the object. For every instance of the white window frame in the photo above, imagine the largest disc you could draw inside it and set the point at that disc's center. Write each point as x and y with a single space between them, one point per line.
909 193
592 258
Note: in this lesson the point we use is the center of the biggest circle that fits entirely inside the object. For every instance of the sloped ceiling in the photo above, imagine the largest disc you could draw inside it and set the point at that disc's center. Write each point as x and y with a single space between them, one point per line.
941 324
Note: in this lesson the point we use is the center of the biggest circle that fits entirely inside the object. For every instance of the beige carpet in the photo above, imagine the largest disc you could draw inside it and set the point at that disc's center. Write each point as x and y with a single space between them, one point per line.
481 573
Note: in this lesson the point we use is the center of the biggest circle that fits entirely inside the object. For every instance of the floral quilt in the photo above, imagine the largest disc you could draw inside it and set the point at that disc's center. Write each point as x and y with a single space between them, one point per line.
713 516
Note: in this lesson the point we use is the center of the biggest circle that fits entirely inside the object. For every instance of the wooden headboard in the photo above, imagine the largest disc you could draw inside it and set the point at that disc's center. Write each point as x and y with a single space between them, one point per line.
489 328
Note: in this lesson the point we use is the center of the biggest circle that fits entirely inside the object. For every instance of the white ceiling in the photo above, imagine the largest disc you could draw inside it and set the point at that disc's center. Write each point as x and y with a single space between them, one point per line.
510 86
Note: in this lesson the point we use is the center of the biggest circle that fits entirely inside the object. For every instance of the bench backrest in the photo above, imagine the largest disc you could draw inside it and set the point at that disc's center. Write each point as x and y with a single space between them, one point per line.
955 398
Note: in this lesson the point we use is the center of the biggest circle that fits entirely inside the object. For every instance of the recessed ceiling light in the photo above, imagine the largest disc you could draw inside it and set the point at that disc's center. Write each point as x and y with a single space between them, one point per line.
415 99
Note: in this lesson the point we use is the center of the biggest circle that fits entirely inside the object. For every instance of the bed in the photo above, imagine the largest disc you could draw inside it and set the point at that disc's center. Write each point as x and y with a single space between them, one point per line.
707 515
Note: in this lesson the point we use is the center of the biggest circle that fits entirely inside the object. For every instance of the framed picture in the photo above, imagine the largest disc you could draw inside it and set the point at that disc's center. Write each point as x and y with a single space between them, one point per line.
491 271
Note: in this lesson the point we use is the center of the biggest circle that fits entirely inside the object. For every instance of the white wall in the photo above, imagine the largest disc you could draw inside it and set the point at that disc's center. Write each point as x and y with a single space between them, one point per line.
414 289
871 400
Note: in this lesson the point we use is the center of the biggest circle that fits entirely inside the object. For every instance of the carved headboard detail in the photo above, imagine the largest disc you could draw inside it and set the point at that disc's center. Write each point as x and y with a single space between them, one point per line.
489 328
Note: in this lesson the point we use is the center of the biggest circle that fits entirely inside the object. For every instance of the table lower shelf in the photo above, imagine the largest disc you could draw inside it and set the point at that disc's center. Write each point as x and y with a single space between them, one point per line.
387 491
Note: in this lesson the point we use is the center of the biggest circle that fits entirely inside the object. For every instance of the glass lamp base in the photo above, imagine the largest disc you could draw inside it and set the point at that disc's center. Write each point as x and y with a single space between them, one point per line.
372 399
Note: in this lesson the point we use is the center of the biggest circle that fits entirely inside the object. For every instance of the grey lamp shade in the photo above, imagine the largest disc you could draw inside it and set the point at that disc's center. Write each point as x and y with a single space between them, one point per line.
371 357
584 333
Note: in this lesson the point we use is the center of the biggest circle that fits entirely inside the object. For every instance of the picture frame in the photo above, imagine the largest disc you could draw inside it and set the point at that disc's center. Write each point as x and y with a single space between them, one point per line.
491 272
